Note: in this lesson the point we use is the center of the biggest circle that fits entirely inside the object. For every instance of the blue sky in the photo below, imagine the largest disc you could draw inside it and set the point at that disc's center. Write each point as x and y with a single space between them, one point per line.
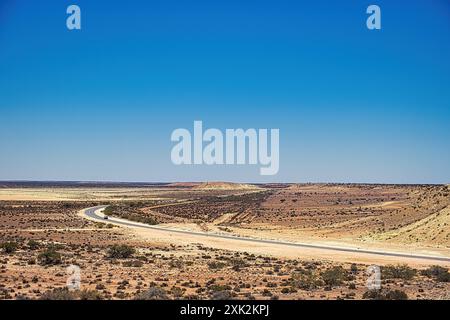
352 105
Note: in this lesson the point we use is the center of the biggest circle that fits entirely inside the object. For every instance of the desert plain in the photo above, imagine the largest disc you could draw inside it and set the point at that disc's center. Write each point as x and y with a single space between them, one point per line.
219 240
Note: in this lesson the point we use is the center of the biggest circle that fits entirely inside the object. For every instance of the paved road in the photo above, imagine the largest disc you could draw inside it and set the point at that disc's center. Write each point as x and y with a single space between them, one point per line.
91 212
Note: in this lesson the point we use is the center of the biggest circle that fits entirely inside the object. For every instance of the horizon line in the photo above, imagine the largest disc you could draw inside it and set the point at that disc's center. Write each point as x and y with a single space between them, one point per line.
214 181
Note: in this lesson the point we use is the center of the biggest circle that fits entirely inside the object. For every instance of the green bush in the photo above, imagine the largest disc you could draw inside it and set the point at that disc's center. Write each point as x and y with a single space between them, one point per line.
59 294
33 245
443 277
9 247
49 257
89 295
237 264
441 274
398 272
65 294
334 276
385 295
129 214
108 210
120 251
305 281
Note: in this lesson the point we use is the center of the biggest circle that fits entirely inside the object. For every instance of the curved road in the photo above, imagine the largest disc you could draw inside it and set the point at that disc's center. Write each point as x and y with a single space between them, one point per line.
92 213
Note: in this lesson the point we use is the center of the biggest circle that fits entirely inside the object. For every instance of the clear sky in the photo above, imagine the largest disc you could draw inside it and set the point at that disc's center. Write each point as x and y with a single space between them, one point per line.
352 105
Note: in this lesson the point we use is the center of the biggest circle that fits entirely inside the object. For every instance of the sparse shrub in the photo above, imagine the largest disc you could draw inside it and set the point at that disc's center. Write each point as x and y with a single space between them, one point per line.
441 274
133 264
443 277
59 294
214 265
66 294
334 276
120 251
396 295
90 295
354 268
108 210
287 290
398 272
49 257
221 295
153 293
266 293
305 281
9 247
385 295
129 212
219 287
177 292
237 264
33 245
176 263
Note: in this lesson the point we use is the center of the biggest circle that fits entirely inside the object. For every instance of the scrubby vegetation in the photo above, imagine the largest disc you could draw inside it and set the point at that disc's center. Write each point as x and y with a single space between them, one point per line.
9 247
33 245
153 293
50 256
385 295
120 251
335 276
66 294
307 280
214 265
238 264
398 272
208 208
439 273
130 211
